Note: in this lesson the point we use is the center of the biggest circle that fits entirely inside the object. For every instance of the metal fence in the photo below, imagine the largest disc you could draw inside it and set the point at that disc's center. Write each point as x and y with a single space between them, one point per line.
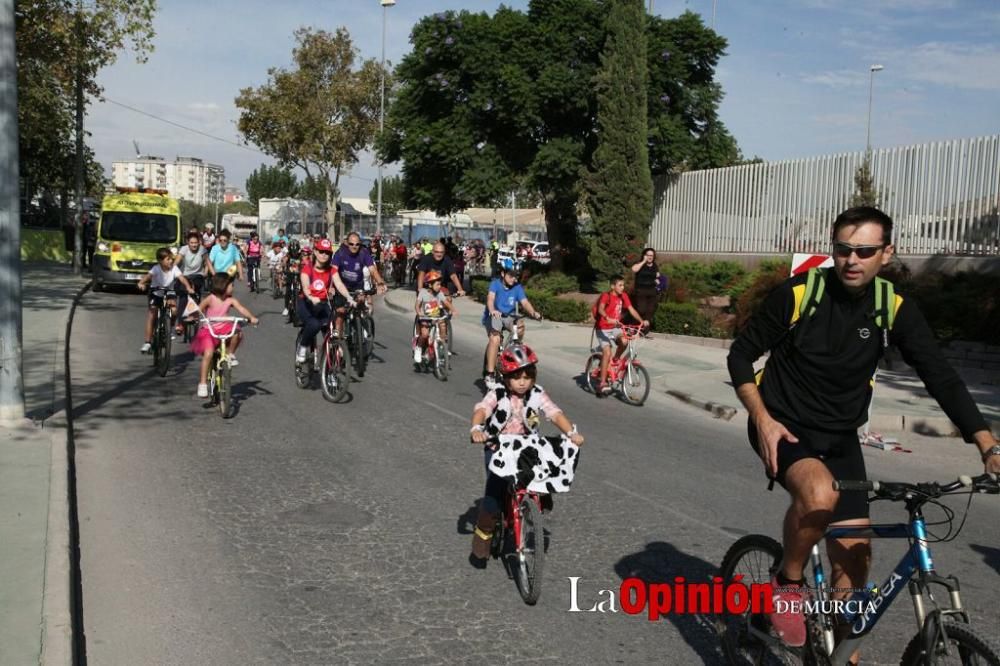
943 196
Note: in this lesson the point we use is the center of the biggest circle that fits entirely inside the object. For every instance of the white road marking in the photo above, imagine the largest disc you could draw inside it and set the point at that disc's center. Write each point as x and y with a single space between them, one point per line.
662 505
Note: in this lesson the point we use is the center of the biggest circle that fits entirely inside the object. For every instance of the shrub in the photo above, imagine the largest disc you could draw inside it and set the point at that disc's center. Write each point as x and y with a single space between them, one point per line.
479 286
964 306
690 280
554 282
558 309
766 278
683 319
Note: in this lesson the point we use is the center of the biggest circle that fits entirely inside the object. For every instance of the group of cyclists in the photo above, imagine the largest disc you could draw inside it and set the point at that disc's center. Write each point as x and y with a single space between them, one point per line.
804 408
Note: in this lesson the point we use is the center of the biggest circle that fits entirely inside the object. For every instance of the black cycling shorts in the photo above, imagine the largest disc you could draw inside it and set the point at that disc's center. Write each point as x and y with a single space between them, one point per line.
840 452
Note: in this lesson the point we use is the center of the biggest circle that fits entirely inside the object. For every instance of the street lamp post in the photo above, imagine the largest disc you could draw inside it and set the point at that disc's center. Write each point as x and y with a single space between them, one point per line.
871 87
381 119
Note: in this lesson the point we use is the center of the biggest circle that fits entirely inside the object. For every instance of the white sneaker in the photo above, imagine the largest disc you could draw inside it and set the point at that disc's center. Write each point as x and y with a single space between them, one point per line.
202 390
284 313
232 361
418 355
145 348
300 355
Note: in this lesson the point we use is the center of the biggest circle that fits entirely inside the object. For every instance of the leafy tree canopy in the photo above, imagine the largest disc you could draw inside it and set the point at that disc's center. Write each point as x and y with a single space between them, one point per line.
270 182
319 115
485 104
52 40
393 199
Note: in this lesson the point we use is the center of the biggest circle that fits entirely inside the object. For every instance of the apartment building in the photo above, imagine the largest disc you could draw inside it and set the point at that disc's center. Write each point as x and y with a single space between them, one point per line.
189 178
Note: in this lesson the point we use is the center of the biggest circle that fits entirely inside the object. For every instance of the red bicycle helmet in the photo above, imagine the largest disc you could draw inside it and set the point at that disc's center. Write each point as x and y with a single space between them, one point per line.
516 357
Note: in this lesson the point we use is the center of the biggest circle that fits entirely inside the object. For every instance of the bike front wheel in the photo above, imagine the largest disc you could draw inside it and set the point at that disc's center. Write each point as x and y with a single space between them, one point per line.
440 360
635 384
964 645
333 363
530 551
358 347
755 557
225 379
163 347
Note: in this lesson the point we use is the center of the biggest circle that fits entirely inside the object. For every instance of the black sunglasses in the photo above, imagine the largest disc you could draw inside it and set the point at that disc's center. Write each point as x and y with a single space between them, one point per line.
863 251
353 244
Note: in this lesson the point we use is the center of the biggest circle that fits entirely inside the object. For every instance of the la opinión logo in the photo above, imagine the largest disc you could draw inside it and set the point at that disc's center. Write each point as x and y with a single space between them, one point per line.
635 596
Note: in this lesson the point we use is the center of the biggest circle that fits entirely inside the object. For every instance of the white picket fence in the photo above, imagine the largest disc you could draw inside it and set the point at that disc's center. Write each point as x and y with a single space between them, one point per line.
944 198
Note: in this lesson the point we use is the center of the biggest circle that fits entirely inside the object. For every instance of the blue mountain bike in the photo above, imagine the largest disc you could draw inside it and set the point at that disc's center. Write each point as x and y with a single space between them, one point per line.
943 632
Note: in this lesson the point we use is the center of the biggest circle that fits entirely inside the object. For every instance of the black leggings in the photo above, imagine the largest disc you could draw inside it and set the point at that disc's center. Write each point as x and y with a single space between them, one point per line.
646 299
314 317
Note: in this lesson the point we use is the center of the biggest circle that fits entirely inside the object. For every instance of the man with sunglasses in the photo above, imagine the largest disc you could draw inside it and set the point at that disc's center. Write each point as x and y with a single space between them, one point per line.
439 261
351 260
807 404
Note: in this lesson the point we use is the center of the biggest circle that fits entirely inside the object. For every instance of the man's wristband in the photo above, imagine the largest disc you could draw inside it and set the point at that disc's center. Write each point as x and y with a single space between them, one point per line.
992 451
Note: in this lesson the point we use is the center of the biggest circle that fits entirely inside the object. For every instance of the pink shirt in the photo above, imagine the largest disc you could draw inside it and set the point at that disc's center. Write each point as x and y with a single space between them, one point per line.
515 424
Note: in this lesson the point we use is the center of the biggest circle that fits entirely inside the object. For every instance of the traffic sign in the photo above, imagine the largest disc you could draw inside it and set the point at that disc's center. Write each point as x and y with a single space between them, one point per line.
803 262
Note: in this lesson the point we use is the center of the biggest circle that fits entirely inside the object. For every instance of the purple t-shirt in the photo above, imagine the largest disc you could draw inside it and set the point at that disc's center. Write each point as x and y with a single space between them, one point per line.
351 267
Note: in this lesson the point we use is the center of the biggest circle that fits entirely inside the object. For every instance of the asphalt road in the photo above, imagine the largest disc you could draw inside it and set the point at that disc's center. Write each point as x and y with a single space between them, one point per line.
305 532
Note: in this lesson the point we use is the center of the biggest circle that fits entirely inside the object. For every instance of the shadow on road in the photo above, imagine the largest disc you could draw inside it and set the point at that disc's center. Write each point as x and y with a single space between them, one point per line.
662 562
991 555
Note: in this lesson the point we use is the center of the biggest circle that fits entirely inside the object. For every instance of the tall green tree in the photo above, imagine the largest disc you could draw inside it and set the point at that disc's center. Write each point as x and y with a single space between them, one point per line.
490 104
53 41
270 182
311 188
393 198
319 115
620 187
865 193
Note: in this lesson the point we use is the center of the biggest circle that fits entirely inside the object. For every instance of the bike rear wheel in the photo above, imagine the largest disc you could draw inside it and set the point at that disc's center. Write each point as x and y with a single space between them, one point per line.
590 372
755 557
333 364
529 551
635 384
440 360
964 646
225 379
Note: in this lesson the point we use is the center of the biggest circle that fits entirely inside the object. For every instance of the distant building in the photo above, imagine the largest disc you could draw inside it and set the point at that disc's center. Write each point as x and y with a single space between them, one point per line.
233 193
189 178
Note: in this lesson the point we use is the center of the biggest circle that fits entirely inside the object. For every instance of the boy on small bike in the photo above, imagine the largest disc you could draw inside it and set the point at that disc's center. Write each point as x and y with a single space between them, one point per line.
501 304
512 409
608 326
431 302
161 276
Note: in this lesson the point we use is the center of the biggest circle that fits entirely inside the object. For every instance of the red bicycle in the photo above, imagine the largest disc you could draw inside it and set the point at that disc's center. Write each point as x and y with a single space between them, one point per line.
626 374
519 537
330 359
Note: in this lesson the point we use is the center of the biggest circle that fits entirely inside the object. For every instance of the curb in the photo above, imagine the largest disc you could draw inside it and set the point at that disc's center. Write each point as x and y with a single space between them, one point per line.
62 620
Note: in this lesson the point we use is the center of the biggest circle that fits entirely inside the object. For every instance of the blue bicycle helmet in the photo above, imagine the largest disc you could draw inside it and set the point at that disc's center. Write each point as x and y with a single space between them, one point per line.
508 265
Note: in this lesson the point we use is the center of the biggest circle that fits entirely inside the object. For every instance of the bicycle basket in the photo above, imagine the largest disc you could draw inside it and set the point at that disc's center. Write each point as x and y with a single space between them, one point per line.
541 464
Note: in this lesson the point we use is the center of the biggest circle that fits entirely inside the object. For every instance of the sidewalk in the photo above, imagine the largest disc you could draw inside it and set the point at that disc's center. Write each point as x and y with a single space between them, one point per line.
35 622
693 370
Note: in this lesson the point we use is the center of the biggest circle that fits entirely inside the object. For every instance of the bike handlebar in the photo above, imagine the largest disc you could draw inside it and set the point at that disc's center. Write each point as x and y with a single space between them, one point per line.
897 491
162 291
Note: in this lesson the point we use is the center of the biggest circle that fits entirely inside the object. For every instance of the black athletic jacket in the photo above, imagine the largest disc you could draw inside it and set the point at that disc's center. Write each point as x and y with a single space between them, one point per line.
818 375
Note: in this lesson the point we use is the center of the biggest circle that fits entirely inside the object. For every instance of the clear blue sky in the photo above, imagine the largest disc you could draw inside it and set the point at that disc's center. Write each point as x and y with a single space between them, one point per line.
796 74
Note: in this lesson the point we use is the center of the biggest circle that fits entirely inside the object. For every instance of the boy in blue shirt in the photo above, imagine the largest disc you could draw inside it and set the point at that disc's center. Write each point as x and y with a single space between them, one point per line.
502 301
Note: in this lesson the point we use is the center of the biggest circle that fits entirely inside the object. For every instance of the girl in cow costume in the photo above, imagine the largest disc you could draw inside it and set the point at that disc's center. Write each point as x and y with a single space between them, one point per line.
514 408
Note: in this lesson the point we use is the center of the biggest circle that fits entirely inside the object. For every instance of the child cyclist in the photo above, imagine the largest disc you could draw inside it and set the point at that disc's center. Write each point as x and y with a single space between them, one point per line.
274 260
608 326
160 276
217 304
431 301
502 301
511 409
